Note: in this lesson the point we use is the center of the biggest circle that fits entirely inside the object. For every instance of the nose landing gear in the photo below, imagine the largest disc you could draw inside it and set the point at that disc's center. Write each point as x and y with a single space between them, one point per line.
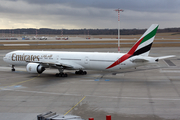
13 69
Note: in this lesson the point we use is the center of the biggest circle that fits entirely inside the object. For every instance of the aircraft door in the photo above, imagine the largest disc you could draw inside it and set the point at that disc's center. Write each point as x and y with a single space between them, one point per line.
57 59
86 60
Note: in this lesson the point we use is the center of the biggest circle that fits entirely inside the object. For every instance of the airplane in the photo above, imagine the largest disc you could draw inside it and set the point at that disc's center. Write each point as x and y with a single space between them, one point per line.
38 61
39 38
62 38
34 38
42 38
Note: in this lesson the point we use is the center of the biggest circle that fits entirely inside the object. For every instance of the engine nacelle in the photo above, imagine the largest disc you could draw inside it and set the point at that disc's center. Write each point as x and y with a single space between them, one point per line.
34 68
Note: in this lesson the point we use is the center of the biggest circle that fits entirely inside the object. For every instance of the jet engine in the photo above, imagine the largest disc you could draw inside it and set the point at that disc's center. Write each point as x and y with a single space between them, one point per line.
34 68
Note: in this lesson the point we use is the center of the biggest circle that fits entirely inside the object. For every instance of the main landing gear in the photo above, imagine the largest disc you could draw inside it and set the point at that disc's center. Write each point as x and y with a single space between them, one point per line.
61 73
13 69
80 72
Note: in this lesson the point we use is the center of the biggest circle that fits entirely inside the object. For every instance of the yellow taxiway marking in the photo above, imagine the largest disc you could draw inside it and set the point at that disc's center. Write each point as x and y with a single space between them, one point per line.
21 82
75 105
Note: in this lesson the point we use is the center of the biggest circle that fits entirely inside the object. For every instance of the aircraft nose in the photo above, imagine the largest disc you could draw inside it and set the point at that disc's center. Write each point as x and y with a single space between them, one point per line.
5 58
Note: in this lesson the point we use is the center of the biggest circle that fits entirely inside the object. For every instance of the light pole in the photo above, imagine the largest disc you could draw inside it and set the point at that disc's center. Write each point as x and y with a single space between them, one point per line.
119 10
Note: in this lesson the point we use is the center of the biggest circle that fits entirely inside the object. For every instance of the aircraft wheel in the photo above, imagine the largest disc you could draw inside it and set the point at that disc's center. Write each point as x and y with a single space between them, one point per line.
13 69
84 72
57 75
80 72
61 75
65 75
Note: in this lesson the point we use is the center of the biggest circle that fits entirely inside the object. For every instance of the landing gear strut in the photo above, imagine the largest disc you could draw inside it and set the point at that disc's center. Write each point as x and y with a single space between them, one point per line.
13 69
81 72
61 73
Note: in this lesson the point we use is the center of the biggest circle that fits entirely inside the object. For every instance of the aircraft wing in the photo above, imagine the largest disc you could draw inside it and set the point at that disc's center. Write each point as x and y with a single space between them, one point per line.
69 65
61 65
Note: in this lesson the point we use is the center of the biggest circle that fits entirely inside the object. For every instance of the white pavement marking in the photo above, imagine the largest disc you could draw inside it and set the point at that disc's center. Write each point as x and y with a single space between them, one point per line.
9 68
133 98
170 70
16 44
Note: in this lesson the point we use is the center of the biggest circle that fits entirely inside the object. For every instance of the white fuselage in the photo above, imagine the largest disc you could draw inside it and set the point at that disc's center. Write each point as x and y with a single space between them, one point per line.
37 61
79 60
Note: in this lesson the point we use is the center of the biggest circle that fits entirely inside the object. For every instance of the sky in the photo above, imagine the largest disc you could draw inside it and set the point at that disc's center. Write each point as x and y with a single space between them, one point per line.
89 14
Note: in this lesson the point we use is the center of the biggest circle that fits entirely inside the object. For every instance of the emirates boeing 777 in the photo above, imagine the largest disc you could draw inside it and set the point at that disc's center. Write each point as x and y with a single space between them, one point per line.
38 61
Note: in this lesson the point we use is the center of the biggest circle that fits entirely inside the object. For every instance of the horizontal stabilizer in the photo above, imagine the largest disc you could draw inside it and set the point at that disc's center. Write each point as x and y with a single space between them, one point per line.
164 57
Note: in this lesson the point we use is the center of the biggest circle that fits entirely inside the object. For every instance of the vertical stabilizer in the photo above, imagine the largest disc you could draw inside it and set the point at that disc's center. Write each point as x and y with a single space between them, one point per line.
143 45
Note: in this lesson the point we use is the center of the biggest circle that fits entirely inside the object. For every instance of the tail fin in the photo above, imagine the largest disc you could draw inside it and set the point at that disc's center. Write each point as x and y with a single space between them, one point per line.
143 45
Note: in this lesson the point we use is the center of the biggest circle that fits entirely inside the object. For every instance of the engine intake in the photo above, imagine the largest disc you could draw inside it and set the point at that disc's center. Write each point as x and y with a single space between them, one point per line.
34 68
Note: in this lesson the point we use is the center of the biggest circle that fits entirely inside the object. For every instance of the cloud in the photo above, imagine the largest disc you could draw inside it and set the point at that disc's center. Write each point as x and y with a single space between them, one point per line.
72 14
134 5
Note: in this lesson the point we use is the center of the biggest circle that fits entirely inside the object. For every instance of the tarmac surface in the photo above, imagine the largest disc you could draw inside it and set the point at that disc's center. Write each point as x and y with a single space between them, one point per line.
147 93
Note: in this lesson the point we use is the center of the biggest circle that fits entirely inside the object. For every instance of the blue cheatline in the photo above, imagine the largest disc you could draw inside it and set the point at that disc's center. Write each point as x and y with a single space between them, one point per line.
106 80
96 80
